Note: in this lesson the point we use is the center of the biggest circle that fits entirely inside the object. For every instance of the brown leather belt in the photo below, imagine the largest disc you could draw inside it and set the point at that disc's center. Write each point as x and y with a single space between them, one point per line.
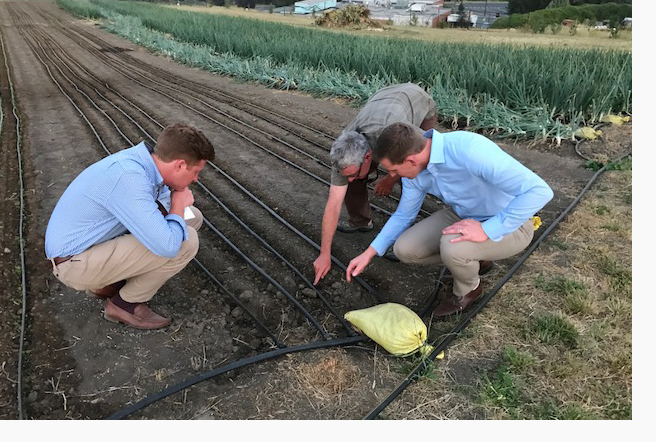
61 259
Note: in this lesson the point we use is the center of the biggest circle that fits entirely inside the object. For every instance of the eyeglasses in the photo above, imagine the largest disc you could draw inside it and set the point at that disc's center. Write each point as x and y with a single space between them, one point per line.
356 174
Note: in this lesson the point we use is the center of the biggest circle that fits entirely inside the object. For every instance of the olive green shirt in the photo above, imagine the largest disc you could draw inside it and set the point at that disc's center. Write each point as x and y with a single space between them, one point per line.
399 103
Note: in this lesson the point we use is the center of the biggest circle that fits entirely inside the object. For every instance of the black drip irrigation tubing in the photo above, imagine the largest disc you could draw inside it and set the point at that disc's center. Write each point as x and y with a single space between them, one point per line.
279 256
233 366
282 349
275 339
232 296
289 296
321 330
21 240
225 114
467 318
341 265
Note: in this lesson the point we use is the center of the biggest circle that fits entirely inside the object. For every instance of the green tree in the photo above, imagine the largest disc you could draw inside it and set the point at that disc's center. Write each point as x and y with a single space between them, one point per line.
463 18
524 6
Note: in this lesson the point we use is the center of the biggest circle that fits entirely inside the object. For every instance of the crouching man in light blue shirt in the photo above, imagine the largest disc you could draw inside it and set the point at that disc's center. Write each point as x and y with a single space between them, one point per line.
110 233
489 199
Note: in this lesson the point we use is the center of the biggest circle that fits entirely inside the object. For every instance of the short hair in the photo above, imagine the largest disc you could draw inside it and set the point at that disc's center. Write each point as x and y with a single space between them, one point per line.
181 141
349 149
397 141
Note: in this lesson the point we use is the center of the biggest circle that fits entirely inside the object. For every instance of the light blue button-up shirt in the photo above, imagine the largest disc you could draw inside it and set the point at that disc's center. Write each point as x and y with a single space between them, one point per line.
470 173
112 197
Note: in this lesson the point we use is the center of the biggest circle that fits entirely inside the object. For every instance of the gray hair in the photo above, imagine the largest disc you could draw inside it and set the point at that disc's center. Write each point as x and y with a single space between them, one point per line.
349 149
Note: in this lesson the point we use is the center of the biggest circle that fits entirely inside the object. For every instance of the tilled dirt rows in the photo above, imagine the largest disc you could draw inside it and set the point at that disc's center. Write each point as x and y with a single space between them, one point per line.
84 93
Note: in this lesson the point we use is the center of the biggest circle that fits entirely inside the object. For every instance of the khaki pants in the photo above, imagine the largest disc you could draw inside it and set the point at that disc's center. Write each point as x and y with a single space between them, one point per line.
124 257
424 243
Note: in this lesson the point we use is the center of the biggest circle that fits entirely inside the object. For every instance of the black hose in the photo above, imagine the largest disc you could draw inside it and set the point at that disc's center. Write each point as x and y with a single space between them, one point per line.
484 300
269 278
21 240
233 366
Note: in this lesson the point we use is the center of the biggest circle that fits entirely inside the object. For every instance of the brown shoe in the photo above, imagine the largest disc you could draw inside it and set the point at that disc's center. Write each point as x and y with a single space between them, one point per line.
143 317
108 291
485 267
452 304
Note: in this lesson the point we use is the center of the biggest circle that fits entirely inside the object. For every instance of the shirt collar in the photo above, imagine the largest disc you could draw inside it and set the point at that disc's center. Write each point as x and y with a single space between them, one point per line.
147 160
437 146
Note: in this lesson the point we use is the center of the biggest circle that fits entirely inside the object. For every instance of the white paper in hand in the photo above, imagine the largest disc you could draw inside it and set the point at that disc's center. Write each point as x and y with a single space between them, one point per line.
188 214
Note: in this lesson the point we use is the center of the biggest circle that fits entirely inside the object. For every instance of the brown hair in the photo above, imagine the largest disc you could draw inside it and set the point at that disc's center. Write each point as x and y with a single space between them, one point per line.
397 141
180 141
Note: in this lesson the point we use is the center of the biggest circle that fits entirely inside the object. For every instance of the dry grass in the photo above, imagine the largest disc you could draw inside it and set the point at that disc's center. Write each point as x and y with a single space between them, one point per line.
556 341
330 377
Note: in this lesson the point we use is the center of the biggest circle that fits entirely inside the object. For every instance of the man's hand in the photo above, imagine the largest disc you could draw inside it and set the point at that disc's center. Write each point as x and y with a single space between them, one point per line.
468 229
321 267
385 185
358 264
181 199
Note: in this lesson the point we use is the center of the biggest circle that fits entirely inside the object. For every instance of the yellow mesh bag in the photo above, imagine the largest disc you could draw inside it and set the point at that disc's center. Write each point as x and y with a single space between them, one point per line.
587 133
394 327
615 119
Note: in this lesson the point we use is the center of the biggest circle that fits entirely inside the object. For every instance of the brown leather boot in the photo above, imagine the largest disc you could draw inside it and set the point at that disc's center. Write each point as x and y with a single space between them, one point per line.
143 317
453 304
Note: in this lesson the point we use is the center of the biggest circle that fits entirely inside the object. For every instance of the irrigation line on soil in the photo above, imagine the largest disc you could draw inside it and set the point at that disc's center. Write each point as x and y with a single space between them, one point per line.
279 256
132 61
269 278
21 240
289 296
358 279
232 366
341 265
467 318
216 281
282 349
253 316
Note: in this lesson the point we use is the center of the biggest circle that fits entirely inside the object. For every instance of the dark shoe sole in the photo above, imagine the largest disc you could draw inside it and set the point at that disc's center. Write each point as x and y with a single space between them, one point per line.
390 256
355 229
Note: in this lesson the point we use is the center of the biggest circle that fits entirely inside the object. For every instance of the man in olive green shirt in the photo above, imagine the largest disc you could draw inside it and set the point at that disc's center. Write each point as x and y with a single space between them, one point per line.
352 159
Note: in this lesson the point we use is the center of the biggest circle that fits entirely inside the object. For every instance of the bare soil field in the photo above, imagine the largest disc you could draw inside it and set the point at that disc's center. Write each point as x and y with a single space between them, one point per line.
83 93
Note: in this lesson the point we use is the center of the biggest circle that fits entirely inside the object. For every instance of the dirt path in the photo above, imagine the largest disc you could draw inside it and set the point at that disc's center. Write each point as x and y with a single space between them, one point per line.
85 93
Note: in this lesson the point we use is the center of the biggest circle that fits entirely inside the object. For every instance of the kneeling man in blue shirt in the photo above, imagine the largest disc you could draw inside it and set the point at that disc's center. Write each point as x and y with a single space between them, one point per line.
119 230
489 199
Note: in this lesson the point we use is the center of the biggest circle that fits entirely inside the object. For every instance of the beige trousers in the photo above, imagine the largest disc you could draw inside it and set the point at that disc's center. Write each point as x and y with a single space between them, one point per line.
124 257
423 243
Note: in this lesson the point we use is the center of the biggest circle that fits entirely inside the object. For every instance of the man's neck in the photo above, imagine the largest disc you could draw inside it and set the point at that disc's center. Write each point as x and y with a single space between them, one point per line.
425 154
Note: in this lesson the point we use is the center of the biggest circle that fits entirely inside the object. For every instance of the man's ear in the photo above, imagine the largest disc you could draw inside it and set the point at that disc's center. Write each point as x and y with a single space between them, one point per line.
411 159
179 165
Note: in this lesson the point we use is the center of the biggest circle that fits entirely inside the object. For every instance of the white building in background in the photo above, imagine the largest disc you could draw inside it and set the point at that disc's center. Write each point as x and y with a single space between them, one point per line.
453 18
398 3
309 6
417 7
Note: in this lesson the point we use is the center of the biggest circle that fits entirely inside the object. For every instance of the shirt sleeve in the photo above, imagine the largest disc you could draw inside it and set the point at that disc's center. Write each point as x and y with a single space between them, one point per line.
412 198
336 178
132 203
531 193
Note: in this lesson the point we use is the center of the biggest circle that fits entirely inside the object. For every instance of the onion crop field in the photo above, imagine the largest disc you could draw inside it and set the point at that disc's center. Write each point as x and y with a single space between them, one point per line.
506 90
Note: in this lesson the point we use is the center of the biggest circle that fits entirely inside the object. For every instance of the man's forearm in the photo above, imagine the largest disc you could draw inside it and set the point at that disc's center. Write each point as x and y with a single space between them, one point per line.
328 227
